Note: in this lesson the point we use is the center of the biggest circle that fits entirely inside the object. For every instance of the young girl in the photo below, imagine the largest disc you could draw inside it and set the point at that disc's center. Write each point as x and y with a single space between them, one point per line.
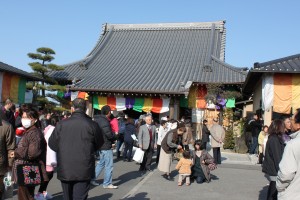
201 160
184 166
261 139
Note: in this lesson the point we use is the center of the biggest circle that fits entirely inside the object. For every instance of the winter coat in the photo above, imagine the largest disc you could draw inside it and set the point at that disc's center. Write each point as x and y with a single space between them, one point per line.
273 154
144 136
184 166
31 149
108 135
170 141
205 134
208 159
217 133
7 145
75 140
129 130
288 179
256 126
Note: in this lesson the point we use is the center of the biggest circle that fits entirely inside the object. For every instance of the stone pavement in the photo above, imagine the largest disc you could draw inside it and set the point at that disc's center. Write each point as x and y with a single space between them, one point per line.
237 178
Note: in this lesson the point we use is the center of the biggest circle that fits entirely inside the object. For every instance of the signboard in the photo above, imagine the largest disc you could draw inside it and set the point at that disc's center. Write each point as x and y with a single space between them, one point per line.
197 115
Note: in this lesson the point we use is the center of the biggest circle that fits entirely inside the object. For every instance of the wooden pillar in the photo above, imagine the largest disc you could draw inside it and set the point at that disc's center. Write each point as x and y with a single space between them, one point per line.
171 108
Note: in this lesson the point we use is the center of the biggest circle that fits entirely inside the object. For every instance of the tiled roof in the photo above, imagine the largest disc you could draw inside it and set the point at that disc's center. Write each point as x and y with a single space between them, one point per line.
290 64
154 58
8 68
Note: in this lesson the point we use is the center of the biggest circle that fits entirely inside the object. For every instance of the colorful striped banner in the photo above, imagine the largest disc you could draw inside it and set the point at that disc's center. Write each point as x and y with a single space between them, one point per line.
13 87
137 104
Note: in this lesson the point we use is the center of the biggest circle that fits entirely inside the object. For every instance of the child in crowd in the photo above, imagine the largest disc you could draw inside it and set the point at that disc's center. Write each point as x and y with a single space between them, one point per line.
184 166
261 144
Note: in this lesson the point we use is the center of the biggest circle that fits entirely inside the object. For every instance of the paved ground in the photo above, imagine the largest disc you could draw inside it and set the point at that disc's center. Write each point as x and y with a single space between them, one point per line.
237 178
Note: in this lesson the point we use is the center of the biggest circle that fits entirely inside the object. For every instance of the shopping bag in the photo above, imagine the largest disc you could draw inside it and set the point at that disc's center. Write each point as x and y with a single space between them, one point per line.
29 174
138 155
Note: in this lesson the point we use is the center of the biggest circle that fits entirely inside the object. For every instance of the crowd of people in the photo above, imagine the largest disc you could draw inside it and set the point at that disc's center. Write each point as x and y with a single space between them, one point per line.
46 140
277 153
33 138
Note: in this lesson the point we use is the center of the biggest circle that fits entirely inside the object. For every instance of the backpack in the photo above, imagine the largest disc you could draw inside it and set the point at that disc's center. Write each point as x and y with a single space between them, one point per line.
122 126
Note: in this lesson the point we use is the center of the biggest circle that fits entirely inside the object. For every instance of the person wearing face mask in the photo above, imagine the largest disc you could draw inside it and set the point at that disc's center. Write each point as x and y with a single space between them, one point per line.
30 149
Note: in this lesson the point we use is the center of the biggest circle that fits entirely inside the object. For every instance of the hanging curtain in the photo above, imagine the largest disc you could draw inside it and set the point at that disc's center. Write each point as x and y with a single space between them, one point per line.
282 93
267 92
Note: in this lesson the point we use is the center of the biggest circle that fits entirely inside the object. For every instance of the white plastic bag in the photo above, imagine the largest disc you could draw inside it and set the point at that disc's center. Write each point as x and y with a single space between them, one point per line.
138 155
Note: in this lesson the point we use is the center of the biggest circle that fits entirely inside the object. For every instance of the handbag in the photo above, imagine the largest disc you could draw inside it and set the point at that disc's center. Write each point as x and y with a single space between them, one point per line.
212 166
138 155
29 174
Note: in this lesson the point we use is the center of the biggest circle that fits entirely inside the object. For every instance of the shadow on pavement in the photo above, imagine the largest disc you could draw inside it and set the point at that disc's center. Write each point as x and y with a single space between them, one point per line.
127 177
139 196
103 196
263 193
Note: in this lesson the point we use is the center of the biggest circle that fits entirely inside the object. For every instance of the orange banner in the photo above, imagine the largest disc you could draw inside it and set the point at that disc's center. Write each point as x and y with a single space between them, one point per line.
282 93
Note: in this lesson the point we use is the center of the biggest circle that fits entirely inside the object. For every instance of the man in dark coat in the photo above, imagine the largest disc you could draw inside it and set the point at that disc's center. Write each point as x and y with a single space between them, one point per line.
8 113
75 140
205 134
7 146
106 152
256 126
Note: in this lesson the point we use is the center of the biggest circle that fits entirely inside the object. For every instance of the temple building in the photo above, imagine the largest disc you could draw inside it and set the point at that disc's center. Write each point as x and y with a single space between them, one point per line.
160 68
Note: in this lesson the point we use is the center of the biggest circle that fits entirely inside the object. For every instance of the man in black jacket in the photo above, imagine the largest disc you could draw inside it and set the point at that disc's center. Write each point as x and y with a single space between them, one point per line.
75 140
256 126
205 135
106 152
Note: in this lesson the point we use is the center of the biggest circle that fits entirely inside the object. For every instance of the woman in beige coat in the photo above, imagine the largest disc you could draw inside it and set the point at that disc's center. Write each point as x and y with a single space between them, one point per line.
217 133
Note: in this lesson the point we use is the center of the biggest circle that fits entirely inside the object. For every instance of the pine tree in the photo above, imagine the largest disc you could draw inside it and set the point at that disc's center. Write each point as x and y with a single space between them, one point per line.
41 68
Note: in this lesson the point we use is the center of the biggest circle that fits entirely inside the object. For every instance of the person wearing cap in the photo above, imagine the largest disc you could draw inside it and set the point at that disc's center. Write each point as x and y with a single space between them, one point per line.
168 145
147 142
217 137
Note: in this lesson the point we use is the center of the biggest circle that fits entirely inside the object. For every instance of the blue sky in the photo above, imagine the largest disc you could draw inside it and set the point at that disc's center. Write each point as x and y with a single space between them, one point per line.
257 31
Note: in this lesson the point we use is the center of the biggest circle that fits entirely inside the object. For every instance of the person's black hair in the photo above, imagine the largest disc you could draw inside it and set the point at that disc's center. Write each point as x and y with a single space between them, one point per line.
79 104
297 116
163 122
105 110
186 154
265 126
54 119
33 114
112 116
204 121
198 142
276 128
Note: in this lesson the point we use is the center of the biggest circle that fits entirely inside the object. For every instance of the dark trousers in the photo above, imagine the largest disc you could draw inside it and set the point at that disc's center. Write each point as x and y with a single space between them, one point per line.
44 185
128 150
260 158
272 191
119 144
254 145
26 192
217 155
204 145
75 190
145 165
158 153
